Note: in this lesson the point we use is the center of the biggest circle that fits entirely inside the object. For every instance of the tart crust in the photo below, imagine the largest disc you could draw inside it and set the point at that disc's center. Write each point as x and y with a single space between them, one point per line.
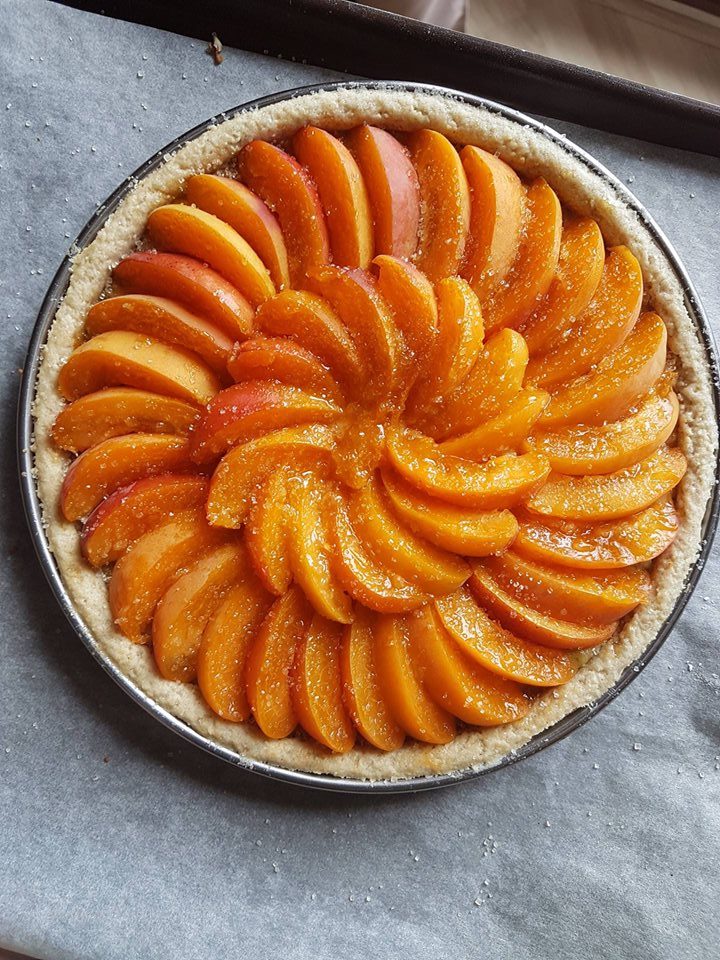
579 188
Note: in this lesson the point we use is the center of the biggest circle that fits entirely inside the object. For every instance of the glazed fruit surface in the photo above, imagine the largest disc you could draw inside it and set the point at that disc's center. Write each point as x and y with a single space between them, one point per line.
373 438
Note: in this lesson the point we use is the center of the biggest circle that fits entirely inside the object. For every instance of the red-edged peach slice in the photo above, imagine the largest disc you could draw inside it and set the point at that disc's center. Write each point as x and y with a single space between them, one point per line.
392 187
183 613
224 649
248 410
266 534
182 229
288 189
194 285
131 512
118 410
117 462
502 433
411 299
283 360
342 192
444 204
232 202
269 664
120 358
165 320
317 688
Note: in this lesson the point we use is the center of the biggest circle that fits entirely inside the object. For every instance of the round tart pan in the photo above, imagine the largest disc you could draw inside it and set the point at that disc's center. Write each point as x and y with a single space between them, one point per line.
33 508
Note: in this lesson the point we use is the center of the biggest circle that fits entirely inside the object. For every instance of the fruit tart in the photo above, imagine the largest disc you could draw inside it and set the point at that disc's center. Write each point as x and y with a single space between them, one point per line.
373 435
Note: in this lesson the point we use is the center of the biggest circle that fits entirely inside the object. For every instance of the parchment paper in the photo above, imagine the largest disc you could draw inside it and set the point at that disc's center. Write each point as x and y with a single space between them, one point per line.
119 841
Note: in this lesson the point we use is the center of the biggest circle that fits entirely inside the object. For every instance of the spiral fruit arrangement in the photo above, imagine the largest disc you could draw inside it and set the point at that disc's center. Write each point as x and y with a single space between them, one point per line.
372 438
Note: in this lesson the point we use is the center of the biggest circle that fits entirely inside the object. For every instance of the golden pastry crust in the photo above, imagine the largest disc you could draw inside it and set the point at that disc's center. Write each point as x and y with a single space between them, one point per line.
579 188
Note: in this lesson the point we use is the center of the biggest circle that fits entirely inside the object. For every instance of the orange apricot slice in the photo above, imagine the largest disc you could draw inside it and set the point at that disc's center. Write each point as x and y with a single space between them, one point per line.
392 187
411 299
468 533
461 685
189 230
602 546
116 411
361 687
444 204
132 511
269 664
343 195
403 689
232 202
120 358
612 495
498 482
117 462
282 360
531 274
288 189
497 200
266 534
183 613
225 645
578 273
504 432
194 285
317 688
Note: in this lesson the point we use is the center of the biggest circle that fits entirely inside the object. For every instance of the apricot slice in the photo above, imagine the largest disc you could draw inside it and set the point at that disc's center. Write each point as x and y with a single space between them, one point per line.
310 321
248 410
192 284
266 534
602 546
463 686
578 273
612 446
361 687
612 495
232 202
308 538
269 664
504 432
282 360
244 469
183 613
288 189
120 358
531 274
130 512
117 462
404 691
343 195
363 576
317 687
611 389
577 595
498 482
411 299
189 230
118 410
392 187
600 328
143 575
516 615
434 570
444 204
497 200
469 533
225 645
360 446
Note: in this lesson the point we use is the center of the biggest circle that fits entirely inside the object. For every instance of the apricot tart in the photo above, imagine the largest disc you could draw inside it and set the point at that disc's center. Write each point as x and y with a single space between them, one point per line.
364 433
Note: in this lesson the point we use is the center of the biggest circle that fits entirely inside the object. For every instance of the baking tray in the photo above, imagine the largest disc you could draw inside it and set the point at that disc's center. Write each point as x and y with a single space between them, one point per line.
33 509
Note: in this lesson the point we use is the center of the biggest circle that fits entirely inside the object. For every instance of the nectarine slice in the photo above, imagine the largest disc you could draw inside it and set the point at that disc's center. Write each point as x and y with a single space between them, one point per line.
283 360
117 462
317 686
361 687
288 189
411 299
269 664
502 433
118 410
225 645
232 202
266 534
120 358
